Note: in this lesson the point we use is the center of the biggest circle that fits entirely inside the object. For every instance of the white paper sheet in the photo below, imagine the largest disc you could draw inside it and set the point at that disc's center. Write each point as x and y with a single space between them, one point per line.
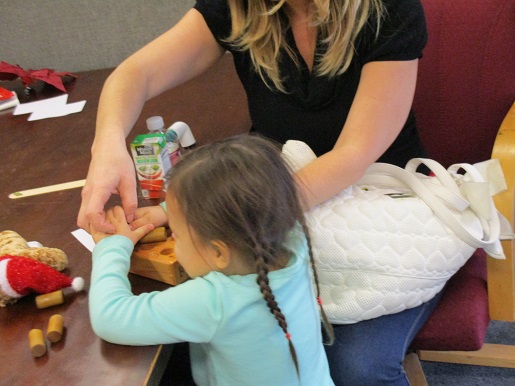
53 111
27 108
49 108
85 238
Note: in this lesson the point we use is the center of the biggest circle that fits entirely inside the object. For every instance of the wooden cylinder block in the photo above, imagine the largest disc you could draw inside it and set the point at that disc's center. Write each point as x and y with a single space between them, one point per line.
154 236
48 300
37 342
55 328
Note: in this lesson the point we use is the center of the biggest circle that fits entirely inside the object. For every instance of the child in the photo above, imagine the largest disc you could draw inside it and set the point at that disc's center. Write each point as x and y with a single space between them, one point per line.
236 219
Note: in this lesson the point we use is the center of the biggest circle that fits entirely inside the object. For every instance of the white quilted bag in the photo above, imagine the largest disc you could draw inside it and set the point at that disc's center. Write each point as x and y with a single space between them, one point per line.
392 241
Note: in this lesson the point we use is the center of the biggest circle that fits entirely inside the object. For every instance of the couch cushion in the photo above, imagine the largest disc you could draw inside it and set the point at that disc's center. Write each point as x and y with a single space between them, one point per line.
461 319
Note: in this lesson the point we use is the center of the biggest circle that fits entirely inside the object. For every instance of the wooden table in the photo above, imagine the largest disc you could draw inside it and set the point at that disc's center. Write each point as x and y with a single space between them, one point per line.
57 150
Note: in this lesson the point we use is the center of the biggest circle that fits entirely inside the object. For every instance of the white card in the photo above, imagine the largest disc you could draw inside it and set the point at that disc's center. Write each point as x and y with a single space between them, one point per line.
26 108
52 111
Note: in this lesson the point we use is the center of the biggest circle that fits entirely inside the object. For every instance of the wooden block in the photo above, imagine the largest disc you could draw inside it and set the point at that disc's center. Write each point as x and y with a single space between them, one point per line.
55 328
155 236
37 342
51 299
157 261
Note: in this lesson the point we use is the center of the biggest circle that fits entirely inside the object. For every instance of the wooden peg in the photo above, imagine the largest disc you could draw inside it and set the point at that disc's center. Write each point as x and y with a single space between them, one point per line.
37 343
55 328
50 299
155 236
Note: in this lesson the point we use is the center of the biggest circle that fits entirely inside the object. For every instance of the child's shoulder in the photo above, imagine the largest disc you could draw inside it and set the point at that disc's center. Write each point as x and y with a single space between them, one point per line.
296 242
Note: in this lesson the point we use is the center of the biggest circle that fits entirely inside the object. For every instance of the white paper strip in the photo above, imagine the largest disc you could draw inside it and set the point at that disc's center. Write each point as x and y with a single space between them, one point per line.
85 239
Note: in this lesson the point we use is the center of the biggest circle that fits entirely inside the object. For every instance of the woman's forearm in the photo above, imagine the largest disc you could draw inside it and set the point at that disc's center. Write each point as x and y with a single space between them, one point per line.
378 114
121 101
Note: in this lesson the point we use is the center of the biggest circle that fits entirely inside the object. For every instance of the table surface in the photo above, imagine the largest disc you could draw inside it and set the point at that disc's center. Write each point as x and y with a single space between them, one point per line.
57 150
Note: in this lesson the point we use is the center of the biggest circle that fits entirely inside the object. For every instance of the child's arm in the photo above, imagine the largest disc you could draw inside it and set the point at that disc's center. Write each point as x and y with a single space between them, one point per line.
189 312
177 314
154 215
116 216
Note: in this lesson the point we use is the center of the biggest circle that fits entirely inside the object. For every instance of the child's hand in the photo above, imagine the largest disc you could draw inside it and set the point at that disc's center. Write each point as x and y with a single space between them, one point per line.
116 216
154 215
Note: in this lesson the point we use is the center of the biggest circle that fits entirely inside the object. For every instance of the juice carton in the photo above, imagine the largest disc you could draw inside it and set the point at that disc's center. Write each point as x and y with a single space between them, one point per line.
152 161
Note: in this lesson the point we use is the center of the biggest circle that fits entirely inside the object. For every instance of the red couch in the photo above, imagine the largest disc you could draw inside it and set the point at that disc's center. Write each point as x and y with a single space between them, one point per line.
465 89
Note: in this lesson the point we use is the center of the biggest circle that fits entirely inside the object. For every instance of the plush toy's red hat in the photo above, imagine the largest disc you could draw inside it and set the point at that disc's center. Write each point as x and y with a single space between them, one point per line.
20 276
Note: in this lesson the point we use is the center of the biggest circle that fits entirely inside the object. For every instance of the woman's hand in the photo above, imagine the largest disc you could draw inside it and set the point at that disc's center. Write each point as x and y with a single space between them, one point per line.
111 171
116 217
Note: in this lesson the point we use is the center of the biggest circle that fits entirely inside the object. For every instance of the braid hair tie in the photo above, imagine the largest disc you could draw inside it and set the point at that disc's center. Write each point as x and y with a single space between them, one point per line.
288 336
319 300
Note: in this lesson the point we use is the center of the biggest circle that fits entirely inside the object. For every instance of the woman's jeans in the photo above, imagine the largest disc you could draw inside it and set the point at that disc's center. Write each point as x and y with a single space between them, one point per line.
371 352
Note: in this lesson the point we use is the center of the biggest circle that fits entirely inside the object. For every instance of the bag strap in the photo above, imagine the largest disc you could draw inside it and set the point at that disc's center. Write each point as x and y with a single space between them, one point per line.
438 170
489 241
443 193
451 199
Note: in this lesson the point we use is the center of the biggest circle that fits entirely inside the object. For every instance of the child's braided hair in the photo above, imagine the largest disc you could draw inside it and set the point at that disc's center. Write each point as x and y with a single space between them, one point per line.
239 191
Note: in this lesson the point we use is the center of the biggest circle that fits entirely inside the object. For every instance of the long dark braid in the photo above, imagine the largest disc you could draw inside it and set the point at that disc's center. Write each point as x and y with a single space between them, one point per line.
328 327
264 287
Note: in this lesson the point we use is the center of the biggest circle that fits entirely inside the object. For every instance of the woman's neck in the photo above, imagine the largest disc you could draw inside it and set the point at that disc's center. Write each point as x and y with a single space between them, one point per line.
304 33
298 6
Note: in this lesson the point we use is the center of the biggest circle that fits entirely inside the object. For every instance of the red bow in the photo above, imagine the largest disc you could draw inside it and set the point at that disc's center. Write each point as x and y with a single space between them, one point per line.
11 72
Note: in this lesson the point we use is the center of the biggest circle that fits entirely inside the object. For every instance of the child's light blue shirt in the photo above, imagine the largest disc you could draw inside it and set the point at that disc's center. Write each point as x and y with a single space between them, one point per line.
235 340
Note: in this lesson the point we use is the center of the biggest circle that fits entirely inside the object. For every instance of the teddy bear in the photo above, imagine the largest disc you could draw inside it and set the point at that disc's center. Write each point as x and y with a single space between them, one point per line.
25 269
11 243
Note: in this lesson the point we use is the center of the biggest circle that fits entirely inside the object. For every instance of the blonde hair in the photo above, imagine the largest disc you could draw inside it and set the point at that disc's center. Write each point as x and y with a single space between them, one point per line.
258 27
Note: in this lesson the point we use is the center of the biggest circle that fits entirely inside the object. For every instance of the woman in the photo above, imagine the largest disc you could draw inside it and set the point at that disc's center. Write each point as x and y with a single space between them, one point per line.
339 75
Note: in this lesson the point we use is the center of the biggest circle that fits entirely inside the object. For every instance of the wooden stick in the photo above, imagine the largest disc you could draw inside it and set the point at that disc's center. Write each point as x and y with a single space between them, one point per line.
48 189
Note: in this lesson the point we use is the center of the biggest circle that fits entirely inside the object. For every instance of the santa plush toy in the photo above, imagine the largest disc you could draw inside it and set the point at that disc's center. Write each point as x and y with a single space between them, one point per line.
21 276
